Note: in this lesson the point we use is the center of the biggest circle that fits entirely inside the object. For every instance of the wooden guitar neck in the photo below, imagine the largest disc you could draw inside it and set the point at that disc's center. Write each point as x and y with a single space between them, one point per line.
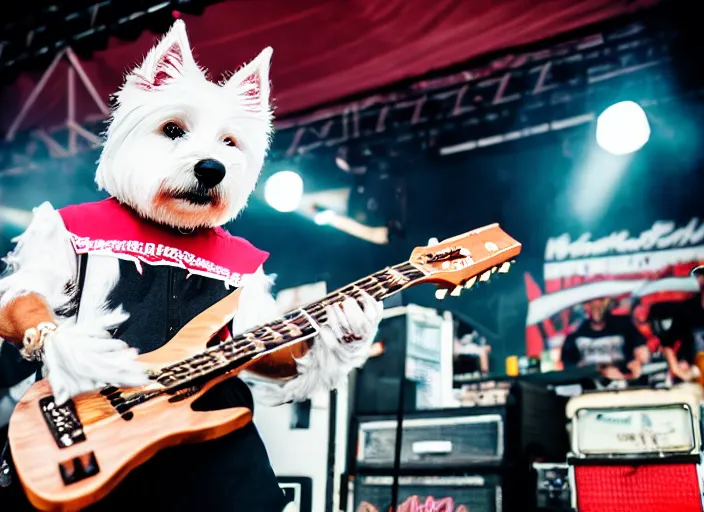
460 262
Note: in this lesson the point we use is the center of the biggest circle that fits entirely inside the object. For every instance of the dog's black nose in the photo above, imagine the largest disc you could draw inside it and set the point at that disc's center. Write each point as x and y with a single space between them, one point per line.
209 172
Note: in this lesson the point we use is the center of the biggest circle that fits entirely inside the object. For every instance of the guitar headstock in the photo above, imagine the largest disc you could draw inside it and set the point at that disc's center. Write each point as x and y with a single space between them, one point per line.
460 262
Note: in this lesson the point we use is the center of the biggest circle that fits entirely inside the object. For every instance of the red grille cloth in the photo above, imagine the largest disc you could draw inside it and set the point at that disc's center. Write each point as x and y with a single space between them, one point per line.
648 488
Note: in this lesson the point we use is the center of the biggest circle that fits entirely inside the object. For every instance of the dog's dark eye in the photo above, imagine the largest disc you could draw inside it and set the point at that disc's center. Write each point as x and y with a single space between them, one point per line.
173 131
229 141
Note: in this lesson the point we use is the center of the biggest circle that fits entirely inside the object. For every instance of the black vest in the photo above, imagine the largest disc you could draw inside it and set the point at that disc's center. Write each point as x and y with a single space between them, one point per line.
160 301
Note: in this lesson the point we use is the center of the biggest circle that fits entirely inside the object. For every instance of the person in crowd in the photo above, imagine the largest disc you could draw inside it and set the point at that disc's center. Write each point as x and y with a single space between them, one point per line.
611 342
685 337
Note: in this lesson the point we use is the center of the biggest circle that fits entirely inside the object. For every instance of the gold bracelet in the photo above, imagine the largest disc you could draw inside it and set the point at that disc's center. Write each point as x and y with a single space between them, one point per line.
33 341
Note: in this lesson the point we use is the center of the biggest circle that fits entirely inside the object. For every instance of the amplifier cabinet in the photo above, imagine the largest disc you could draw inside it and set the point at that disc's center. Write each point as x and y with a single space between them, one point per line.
474 493
638 423
531 425
447 442
667 484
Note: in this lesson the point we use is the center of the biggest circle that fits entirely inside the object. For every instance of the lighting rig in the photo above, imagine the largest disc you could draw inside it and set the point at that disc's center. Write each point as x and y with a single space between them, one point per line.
53 39
507 98
513 96
30 38
504 99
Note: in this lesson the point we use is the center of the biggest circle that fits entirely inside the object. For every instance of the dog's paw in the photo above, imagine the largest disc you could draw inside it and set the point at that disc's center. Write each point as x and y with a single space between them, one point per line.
351 322
77 361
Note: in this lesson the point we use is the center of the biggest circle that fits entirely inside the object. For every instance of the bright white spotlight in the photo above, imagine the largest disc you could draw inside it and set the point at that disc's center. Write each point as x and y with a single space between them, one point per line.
324 217
283 191
622 128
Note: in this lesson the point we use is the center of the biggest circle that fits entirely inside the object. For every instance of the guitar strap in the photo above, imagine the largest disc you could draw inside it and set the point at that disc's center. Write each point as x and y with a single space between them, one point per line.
5 467
82 267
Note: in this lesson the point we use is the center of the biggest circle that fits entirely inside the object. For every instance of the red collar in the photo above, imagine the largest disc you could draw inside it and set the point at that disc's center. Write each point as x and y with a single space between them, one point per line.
108 227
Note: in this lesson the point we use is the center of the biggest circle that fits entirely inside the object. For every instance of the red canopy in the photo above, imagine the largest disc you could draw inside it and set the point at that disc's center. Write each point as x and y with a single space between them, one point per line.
325 50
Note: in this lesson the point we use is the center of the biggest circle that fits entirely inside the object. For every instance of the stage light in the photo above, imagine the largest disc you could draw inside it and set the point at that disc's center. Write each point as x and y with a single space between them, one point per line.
15 216
622 128
324 217
283 191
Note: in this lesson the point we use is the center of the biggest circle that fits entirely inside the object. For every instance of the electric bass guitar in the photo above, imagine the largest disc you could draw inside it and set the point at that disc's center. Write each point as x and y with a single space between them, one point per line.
70 456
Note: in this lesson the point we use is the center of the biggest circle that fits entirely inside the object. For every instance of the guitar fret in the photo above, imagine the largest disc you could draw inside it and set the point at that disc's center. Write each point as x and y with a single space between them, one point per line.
274 333
293 328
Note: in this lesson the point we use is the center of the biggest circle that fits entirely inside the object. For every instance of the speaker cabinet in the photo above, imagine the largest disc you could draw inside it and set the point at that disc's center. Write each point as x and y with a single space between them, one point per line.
646 486
637 449
438 443
417 354
473 493
529 426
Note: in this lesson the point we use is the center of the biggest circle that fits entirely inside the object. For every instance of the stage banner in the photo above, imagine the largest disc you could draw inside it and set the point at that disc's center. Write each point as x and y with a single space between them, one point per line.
645 275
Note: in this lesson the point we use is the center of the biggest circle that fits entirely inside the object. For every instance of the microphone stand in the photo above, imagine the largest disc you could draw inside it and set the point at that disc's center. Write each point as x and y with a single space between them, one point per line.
399 439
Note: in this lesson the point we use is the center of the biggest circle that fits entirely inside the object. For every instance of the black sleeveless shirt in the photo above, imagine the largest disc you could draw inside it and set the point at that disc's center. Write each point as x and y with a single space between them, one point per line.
160 301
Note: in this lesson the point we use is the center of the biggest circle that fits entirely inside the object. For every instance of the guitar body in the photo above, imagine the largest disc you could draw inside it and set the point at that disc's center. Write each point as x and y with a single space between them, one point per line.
112 443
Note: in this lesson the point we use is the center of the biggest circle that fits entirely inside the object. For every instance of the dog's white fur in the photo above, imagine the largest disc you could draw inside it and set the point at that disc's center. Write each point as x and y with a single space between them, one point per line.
139 162
43 260
143 168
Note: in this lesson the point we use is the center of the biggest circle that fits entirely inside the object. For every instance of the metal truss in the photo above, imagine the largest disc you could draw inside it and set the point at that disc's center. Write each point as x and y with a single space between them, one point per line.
506 98
511 97
71 129
26 41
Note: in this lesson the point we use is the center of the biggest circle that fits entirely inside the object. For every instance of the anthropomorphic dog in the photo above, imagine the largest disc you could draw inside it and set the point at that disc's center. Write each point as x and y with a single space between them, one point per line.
90 285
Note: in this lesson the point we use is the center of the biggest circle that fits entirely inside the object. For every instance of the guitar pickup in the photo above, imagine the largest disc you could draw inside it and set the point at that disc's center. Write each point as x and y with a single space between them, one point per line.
62 421
79 468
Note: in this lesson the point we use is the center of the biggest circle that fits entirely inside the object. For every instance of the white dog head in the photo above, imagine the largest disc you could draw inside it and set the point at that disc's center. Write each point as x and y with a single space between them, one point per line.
181 150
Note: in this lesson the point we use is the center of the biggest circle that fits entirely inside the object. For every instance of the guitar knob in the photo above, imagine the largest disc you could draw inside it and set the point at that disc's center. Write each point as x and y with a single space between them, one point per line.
78 468
68 475
91 466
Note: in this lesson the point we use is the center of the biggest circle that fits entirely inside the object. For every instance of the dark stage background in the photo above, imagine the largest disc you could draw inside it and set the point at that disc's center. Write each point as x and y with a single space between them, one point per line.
538 187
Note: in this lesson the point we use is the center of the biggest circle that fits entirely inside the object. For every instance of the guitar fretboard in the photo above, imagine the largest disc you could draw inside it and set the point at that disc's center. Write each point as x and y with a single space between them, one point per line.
297 325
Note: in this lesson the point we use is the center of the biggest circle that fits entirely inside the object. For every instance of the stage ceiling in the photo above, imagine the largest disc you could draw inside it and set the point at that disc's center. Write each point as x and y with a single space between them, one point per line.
328 50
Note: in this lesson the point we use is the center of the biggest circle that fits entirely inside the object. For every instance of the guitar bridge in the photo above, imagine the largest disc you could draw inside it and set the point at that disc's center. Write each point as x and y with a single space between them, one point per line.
62 421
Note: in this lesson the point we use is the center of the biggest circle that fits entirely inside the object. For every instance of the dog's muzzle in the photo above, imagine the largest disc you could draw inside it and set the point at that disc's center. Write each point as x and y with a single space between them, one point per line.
209 172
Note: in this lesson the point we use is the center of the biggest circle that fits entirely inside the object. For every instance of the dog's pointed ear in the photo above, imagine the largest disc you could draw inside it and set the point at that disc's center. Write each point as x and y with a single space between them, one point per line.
251 83
169 60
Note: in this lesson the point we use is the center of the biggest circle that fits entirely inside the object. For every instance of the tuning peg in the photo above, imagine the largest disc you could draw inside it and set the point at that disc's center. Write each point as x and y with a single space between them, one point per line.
457 291
505 267
494 269
440 293
433 241
470 283
485 276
